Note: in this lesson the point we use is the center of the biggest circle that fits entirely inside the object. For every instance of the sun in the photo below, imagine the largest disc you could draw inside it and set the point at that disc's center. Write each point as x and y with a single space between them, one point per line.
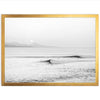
31 41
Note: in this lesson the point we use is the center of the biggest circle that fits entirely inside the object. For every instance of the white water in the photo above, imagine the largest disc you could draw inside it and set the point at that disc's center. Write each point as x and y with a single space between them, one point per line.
20 68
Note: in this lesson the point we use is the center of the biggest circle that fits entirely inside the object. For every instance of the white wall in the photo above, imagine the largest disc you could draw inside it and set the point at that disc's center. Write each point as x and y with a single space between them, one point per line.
53 7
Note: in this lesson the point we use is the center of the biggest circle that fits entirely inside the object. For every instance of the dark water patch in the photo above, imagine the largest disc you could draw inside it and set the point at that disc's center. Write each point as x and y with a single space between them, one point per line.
87 70
74 56
77 76
90 70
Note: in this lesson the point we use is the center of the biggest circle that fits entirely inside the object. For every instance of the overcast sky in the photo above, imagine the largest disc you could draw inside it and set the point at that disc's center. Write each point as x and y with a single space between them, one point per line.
61 32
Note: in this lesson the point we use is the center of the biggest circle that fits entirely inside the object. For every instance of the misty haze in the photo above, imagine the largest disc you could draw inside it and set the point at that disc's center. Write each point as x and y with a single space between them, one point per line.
50 50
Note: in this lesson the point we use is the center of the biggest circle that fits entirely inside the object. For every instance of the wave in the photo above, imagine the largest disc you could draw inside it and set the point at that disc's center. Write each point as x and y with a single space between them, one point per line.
59 59
51 61
72 56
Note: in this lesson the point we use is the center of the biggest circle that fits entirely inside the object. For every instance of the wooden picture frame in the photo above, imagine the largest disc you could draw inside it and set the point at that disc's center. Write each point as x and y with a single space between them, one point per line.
4 16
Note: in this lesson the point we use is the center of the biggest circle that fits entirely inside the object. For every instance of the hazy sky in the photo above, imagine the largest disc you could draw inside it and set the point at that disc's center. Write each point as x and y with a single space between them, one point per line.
61 32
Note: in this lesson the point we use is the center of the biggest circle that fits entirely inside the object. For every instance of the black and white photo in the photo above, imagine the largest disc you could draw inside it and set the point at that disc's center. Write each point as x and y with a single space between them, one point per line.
50 50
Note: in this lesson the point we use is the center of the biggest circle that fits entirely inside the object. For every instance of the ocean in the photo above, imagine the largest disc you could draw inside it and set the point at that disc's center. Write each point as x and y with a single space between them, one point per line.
27 64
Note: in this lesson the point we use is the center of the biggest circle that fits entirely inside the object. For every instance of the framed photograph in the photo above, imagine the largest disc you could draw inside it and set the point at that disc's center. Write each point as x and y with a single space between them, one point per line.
50 50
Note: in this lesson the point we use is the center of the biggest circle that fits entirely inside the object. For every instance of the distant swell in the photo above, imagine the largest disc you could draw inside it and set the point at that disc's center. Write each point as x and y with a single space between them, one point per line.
72 56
